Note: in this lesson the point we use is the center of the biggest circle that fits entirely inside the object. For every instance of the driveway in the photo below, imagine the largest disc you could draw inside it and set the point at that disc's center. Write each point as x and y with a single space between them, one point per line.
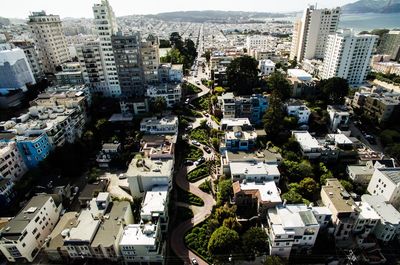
117 187
178 234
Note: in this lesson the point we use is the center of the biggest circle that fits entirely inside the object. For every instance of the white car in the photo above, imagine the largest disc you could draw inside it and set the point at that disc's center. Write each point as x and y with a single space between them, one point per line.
121 176
196 143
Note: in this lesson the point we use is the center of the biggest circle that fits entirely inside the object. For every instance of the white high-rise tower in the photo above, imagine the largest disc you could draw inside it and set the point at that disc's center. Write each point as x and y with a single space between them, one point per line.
106 26
348 56
311 32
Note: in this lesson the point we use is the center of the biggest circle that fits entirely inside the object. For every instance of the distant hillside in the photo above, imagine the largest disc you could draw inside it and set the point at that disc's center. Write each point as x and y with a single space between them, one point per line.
213 15
373 6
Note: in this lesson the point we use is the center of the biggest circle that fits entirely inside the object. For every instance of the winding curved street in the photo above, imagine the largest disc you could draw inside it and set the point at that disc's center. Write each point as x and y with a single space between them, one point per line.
178 234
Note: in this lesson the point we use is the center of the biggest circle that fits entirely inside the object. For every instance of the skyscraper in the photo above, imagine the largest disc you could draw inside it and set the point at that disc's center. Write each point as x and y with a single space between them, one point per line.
311 32
348 56
106 26
390 45
89 56
129 64
49 39
151 59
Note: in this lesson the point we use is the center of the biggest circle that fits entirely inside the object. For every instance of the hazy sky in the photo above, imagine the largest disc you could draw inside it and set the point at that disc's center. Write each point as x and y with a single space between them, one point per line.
83 8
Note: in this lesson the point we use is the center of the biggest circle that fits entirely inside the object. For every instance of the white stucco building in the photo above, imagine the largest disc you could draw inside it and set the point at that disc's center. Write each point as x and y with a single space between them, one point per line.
23 237
164 125
311 32
291 228
106 26
266 67
348 56
386 182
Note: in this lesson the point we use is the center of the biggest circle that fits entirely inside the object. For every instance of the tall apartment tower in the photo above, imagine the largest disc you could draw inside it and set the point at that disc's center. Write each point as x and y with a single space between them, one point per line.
348 56
390 45
151 59
129 64
49 39
106 26
31 54
89 56
311 32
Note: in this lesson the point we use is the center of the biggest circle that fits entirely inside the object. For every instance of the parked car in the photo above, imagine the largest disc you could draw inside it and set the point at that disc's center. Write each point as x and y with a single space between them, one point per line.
201 160
371 139
207 149
121 176
196 143
194 261
188 163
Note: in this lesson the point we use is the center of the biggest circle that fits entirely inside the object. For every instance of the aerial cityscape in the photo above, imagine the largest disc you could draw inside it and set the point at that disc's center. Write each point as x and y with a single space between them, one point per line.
163 133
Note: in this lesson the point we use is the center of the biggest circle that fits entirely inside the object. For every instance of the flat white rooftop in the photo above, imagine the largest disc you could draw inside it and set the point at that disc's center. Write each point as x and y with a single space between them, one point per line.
306 140
146 167
154 201
141 235
340 138
367 212
300 74
385 210
250 168
267 190
292 216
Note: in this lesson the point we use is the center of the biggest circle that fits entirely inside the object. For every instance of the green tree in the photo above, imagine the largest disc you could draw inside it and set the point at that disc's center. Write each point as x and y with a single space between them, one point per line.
274 260
296 171
224 212
242 74
278 83
388 137
333 90
207 55
394 151
223 242
347 185
176 40
292 196
232 223
273 116
255 241
224 191
158 105
308 187
219 90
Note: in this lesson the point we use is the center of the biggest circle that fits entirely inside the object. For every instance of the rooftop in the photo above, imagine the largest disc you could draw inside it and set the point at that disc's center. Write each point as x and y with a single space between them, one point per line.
239 134
306 140
147 167
366 212
18 224
87 224
385 210
66 222
109 229
300 74
154 201
339 138
253 168
167 120
292 216
391 173
265 192
263 155
138 234
339 198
